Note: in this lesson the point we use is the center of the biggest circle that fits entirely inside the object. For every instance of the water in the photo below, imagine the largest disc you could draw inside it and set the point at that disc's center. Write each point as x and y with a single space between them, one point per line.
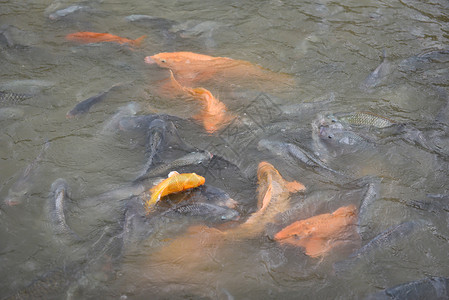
327 46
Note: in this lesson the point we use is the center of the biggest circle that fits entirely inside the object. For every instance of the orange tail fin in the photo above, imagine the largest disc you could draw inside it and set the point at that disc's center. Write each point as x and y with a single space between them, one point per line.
137 42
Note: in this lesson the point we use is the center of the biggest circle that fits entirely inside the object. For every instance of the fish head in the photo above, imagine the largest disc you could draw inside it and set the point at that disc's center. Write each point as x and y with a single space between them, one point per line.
16 197
229 215
60 186
337 134
165 60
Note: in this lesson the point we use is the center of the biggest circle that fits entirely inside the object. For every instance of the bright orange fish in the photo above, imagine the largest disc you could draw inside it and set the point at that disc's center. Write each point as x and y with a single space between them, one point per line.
87 37
174 183
192 67
319 234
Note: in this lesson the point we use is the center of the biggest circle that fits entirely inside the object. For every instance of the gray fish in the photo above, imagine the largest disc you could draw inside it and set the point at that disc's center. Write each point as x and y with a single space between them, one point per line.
427 288
378 75
423 60
155 140
371 195
382 241
59 193
26 86
362 118
13 98
288 151
21 188
193 158
59 14
11 113
85 105
338 134
206 212
126 111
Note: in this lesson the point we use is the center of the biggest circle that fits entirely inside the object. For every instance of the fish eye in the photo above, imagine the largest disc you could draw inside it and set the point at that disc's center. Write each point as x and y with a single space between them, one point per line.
163 60
223 217
333 121
329 136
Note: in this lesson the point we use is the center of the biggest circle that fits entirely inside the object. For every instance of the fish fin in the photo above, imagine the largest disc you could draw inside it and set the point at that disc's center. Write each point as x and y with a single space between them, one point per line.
172 173
137 42
295 186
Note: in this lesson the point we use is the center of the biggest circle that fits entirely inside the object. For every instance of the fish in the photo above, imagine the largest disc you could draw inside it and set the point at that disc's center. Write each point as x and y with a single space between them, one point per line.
10 97
379 75
21 188
193 158
206 212
362 118
382 241
85 105
214 115
87 37
288 151
155 138
173 184
59 193
370 196
190 68
61 13
11 113
123 112
423 60
318 235
26 86
432 287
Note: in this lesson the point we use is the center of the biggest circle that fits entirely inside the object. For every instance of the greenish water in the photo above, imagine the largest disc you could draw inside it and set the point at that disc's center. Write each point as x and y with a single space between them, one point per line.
328 47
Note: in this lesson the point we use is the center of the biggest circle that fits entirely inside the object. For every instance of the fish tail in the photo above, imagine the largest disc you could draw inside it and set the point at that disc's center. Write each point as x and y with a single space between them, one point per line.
155 196
137 42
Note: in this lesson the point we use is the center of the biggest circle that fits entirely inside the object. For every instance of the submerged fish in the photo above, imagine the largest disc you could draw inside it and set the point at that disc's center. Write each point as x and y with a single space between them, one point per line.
85 105
59 193
61 13
378 75
318 235
173 184
204 211
96 37
192 67
155 139
21 188
362 118
13 98
427 288
382 241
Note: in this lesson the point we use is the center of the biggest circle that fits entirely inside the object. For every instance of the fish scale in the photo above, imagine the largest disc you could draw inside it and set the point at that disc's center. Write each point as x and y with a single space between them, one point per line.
10 97
367 118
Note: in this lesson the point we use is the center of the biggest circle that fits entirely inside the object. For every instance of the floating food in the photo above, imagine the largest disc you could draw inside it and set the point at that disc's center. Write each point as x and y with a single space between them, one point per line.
318 235
87 37
174 183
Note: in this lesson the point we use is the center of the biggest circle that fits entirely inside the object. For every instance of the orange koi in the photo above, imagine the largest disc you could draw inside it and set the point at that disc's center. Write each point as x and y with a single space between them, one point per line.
321 233
97 37
174 183
192 67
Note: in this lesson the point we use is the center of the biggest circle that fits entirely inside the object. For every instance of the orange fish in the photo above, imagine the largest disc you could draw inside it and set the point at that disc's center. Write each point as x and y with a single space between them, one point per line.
174 183
214 114
96 37
321 233
192 67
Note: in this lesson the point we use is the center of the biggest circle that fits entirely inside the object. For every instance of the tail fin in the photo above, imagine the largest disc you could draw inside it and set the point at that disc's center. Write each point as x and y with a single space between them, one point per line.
137 42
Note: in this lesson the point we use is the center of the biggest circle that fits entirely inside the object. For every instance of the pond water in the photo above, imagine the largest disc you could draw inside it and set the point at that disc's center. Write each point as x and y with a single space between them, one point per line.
389 58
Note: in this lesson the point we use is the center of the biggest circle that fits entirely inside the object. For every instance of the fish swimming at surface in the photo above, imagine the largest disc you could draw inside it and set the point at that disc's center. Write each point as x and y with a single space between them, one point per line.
86 37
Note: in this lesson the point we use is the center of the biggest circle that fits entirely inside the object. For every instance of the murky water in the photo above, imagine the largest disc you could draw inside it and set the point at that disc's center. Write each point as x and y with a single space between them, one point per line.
328 47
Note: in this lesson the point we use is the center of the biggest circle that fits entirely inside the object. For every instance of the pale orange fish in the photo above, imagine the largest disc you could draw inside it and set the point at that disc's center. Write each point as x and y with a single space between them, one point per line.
214 115
86 37
320 234
174 183
192 67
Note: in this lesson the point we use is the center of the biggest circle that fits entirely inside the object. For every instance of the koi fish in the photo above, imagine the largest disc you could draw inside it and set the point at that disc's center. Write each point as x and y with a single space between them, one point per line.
192 67
87 37
174 183
319 234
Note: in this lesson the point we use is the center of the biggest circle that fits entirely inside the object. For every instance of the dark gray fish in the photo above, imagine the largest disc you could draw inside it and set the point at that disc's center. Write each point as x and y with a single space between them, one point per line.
112 125
155 139
85 105
378 75
371 195
7 97
59 193
21 188
61 13
383 240
427 288
288 151
206 212
423 60
193 158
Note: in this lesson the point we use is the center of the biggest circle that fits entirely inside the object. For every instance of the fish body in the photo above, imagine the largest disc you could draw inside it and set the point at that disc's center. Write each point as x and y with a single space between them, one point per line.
363 118
192 67
87 37
378 75
85 105
10 97
21 188
319 234
59 193
204 211
173 184
427 288
59 14
155 138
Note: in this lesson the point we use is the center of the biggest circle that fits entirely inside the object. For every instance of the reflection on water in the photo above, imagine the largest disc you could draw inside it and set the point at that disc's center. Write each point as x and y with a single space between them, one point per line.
390 58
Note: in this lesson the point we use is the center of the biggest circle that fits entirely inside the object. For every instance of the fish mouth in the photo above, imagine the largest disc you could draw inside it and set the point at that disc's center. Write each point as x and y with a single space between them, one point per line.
149 60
